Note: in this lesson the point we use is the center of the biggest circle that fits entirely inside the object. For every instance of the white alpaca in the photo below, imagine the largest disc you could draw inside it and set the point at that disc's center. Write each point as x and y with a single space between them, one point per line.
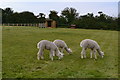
61 44
93 45
45 44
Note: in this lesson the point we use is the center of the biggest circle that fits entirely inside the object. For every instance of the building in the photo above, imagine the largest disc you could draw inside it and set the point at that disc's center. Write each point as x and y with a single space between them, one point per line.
49 23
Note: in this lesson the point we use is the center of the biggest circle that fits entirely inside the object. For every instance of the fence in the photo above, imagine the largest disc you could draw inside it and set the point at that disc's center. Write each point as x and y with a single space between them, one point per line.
41 25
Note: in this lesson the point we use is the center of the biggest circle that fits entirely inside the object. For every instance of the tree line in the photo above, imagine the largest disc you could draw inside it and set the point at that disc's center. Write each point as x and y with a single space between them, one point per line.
68 18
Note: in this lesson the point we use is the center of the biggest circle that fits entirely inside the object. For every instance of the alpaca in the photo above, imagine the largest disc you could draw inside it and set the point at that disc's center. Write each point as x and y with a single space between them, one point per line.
91 44
45 44
61 44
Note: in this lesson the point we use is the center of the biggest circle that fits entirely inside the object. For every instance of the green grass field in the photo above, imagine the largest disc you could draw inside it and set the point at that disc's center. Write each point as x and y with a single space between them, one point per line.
19 54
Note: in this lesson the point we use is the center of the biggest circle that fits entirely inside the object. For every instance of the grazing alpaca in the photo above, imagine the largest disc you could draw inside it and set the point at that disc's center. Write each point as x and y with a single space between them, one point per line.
93 45
61 44
45 44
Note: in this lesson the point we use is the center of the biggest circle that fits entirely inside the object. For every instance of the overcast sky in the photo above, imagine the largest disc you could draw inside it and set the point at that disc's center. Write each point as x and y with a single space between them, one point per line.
109 7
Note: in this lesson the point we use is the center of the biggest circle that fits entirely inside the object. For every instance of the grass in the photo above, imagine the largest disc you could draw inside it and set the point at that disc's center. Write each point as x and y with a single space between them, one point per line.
19 54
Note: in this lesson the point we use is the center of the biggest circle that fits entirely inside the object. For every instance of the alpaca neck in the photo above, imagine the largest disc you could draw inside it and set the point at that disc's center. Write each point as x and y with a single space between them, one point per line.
66 48
98 50
57 51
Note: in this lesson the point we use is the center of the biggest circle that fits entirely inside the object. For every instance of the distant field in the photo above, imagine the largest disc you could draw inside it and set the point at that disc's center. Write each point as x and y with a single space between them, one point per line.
19 54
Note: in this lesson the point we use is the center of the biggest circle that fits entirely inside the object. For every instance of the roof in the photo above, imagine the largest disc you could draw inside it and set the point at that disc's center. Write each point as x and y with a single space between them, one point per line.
47 19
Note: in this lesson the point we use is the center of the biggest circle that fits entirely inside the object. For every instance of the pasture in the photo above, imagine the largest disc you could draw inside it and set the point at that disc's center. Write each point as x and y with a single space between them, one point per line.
19 54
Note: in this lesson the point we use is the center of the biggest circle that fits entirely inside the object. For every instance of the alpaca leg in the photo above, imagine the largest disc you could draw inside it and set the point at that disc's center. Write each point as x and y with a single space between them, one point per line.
38 55
82 53
62 49
59 58
91 53
95 53
51 54
42 55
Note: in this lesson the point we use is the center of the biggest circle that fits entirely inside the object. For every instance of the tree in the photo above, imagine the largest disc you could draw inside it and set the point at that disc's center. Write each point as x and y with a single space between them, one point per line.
102 16
23 17
100 12
90 15
118 20
53 15
62 21
7 12
1 11
70 14
41 17
15 18
87 21
26 17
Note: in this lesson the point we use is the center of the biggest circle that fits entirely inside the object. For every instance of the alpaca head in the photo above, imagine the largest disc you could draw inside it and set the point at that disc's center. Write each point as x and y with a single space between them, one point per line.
69 50
102 54
60 55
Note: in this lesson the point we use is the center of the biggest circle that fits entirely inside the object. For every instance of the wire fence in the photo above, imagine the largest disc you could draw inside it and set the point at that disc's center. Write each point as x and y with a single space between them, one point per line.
42 25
